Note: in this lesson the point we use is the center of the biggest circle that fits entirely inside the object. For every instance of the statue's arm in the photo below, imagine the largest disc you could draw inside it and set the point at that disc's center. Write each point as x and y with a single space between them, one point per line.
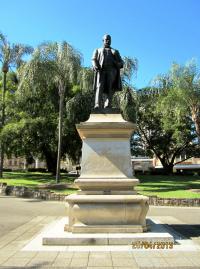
95 62
119 60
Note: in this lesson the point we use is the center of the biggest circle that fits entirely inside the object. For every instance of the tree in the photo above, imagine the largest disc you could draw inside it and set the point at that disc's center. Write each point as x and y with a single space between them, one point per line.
10 55
185 93
160 129
32 130
129 70
55 64
85 79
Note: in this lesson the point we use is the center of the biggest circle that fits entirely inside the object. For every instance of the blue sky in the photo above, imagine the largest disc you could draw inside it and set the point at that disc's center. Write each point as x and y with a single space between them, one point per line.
156 32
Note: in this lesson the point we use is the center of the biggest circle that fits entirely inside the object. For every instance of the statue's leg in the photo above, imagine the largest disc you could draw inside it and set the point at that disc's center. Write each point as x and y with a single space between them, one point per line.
111 76
99 90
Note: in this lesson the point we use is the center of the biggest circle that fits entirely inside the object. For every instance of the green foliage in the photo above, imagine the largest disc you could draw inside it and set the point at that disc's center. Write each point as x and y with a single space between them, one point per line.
85 79
160 129
47 80
126 102
184 95
32 127
79 107
129 69
11 54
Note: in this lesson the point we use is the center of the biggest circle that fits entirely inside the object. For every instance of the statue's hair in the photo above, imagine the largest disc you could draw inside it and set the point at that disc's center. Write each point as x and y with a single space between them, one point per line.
106 35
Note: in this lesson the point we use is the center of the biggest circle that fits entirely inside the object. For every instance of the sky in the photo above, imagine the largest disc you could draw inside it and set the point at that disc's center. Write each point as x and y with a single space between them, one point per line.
156 32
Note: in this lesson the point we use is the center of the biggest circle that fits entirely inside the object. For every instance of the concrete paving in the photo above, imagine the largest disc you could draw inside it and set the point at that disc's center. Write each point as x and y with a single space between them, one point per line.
16 211
21 220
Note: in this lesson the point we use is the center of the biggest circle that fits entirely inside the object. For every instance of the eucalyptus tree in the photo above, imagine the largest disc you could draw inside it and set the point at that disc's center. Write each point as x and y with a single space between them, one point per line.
10 55
182 85
58 64
186 91
161 130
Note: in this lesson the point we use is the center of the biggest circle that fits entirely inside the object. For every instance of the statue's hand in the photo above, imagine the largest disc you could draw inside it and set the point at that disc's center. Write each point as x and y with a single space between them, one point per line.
119 65
96 68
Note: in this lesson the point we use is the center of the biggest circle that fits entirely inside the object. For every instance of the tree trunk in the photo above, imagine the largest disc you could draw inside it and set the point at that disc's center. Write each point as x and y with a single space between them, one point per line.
196 120
61 93
197 126
50 158
51 163
2 124
168 168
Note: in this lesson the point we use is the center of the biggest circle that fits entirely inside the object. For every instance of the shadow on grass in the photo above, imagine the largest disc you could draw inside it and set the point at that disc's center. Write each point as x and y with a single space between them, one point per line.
161 184
39 177
164 178
149 188
167 188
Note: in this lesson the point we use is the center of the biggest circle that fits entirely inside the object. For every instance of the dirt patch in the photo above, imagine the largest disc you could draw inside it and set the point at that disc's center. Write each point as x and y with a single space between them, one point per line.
194 190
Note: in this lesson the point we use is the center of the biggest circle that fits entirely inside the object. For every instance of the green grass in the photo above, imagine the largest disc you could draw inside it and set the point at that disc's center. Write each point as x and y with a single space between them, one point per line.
34 179
169 186
151 185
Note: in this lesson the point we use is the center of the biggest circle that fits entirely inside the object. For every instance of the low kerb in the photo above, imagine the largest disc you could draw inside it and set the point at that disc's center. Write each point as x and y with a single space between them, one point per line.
107 201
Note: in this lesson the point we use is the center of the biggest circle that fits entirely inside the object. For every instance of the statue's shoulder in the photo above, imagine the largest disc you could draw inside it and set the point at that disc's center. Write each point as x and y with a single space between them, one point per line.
114 51
98 51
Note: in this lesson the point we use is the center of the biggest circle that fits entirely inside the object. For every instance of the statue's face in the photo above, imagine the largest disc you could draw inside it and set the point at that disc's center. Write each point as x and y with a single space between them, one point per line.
107 41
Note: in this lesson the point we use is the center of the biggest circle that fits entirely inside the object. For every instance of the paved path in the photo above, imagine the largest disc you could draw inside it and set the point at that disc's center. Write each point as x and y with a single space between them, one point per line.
22 219
188 215
16 211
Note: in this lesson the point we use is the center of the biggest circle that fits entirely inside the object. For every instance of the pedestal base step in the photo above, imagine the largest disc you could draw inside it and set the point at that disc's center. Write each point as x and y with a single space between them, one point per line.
106 239
81 228
57 237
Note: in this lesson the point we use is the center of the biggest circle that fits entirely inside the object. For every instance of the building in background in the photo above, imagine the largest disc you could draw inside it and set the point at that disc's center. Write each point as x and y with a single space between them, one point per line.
20 163
139 164
142 164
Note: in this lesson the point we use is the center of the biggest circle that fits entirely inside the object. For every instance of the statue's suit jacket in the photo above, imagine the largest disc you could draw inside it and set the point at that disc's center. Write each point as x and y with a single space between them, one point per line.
98 59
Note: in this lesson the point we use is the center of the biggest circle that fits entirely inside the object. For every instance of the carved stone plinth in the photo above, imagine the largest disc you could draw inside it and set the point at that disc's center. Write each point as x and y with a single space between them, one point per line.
107 201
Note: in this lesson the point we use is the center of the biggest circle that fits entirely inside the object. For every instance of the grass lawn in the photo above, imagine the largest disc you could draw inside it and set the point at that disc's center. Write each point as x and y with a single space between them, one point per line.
151 185
34 179
169 186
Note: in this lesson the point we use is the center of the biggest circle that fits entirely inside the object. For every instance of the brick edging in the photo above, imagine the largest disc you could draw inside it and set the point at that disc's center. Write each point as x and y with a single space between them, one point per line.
193 202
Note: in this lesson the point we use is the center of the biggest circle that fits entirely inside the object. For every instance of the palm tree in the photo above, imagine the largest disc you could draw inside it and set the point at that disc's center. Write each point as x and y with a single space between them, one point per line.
54 63
10 55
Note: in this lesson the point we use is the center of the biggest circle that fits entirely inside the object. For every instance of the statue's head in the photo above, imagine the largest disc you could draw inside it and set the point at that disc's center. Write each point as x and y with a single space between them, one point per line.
107 40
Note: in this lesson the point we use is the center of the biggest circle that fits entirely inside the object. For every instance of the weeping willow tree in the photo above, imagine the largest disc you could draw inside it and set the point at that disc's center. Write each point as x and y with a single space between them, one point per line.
10 55
56 64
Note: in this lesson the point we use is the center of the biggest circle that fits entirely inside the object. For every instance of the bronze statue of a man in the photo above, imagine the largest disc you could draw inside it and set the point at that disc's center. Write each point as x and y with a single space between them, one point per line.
106 63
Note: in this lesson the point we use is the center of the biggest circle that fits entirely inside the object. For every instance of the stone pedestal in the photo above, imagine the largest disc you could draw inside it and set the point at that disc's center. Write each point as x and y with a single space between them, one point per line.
107 201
